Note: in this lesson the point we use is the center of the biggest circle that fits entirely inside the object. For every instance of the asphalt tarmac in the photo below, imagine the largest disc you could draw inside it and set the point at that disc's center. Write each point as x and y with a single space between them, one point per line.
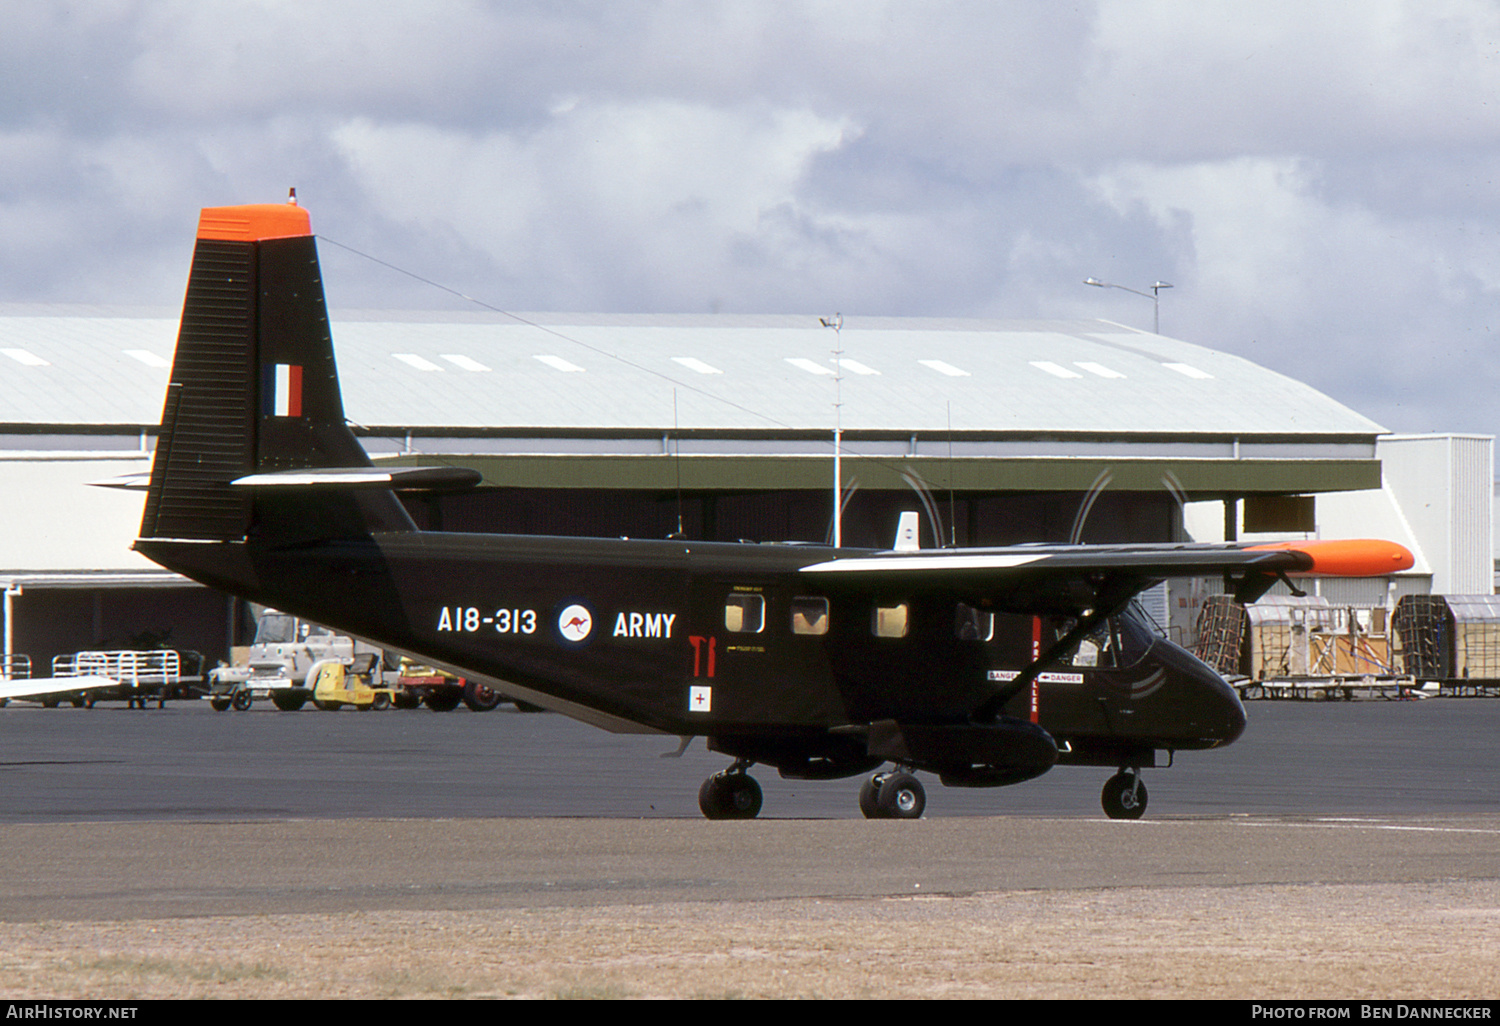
186 762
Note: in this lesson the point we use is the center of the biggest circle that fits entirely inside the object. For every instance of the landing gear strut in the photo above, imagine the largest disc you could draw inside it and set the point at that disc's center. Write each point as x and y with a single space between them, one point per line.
732 794
1124 795
897 795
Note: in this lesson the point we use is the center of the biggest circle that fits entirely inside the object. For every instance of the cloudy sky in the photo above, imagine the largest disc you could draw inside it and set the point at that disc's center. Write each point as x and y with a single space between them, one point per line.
1320 181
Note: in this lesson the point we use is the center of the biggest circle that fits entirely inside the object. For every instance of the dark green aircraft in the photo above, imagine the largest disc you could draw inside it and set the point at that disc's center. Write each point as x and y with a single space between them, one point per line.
983 666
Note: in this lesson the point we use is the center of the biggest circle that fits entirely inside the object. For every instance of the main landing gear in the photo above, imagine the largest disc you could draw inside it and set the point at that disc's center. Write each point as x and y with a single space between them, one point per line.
1124 795
733 794
897 795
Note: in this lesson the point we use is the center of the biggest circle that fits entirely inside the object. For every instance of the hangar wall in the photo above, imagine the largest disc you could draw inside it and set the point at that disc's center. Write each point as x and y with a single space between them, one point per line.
997 431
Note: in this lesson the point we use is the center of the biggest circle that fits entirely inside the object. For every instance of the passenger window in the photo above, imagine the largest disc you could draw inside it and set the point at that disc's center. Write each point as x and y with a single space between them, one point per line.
890 621
972 624
809 616
745 614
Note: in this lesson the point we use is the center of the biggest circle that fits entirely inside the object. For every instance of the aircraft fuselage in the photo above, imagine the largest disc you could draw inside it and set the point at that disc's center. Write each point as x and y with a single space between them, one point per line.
726 641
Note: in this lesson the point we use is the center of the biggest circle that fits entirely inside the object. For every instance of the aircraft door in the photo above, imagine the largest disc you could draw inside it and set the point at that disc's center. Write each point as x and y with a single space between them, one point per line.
757 655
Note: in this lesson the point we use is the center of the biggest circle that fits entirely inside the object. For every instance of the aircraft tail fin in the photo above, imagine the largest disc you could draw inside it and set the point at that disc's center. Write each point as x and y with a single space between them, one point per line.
254 391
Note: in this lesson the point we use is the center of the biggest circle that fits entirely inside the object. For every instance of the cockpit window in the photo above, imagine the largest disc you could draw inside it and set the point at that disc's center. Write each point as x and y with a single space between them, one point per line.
970 624
1121 641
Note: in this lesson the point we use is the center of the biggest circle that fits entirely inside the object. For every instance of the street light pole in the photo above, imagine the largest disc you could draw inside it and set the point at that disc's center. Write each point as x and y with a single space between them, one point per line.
837 324
1154 295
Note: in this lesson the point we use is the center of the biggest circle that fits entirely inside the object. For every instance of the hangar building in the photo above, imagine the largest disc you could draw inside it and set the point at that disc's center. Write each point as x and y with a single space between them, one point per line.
720 427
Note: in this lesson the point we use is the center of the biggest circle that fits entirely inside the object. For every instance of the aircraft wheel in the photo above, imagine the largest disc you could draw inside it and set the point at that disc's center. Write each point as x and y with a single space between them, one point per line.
1124 796
901 796
218 704
869 797
730 795
242 701
480 698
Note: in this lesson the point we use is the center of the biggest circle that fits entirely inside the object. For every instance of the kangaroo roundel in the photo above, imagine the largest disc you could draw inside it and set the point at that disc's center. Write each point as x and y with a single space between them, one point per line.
574 623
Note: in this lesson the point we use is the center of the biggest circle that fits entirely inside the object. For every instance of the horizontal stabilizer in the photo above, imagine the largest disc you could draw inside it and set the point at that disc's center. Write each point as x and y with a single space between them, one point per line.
399 478
128 482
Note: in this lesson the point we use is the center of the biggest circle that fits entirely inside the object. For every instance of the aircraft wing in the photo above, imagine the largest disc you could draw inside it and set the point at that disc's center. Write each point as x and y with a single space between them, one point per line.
1066 578
41 686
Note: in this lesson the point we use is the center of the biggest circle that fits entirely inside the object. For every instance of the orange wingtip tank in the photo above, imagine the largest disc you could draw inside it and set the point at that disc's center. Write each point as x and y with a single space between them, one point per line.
253 222
1354 557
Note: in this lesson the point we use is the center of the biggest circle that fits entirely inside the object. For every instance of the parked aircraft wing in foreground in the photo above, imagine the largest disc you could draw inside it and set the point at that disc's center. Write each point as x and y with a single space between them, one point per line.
48 687
982 666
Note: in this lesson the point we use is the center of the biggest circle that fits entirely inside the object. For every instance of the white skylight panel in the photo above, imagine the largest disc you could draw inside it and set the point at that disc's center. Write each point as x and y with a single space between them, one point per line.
413 360
558 363
1057 370
857 367
1098 369
25 357
147 357
943 367
1189 370
692 363
467 363
811 366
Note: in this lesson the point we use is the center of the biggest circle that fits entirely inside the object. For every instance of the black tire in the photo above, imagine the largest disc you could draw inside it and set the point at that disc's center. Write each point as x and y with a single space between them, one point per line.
480 698
1124 796
442 699
242 701
381 702
405 700
730 796
902 797
219 704
327 706
287 703
869 797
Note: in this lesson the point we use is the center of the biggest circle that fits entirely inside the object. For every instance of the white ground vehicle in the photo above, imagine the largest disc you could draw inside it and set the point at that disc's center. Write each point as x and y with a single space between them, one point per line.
285 649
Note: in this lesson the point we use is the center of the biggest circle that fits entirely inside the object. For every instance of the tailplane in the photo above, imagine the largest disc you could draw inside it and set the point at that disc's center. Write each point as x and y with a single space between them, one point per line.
254 404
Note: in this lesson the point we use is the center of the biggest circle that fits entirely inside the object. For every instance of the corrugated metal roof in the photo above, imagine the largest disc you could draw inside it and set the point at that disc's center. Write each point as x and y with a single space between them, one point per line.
729 373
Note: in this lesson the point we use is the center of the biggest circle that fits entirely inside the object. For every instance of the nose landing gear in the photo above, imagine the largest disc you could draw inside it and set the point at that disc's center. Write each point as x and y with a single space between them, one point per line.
1124 795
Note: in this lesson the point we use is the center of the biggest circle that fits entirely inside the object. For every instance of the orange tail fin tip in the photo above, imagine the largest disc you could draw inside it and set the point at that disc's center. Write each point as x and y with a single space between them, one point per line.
254 222
1353 557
